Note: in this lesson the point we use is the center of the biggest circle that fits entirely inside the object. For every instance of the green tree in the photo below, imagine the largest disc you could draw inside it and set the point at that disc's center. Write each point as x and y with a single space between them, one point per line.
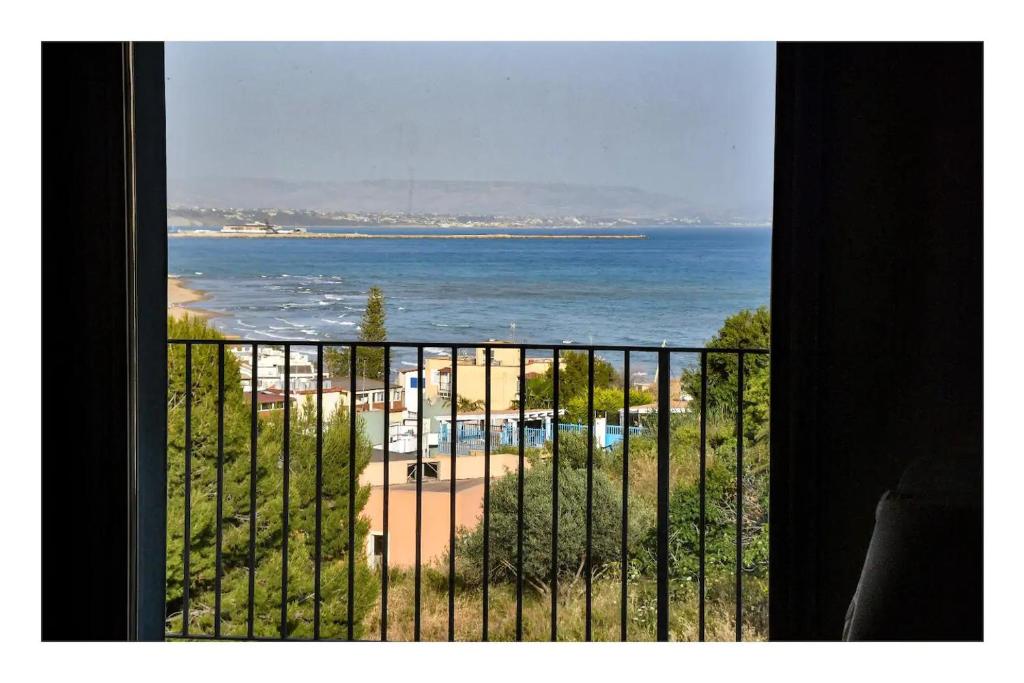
572 380
466 405
746 329
237 515
372 328
607 400
537 528
720 520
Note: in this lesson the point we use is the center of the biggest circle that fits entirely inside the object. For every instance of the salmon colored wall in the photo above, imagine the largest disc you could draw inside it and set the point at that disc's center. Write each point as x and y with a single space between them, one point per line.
436 520
467 467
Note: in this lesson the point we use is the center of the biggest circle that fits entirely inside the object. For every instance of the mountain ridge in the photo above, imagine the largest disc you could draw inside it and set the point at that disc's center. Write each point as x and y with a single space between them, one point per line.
439 197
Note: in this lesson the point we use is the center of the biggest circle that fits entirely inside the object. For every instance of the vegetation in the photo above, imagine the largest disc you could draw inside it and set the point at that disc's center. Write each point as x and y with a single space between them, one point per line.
608 401
372 328
537 572
466 405
572 380
236 515
746 329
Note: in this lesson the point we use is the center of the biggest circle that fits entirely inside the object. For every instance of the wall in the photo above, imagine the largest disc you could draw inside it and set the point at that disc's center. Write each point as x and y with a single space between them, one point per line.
436 520
876 301
467 467
104 283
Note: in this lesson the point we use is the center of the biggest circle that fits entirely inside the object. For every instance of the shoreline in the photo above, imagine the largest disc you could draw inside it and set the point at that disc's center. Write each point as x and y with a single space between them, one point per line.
180 297
366 236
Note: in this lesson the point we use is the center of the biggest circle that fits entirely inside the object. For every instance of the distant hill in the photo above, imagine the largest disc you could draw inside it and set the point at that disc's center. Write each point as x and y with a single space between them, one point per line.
454 197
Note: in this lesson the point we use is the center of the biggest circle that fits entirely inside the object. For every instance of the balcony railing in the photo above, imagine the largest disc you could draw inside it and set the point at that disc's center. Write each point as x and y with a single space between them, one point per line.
208 469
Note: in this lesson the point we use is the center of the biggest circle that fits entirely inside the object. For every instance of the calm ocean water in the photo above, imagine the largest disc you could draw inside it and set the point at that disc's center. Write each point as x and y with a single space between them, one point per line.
677 285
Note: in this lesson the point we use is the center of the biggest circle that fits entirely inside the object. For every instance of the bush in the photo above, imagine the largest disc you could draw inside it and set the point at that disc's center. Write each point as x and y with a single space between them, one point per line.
607 508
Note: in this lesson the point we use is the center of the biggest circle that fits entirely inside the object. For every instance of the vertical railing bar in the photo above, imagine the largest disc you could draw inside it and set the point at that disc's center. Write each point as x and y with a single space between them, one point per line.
452 441
186 560
664 413
419 491
351 602
485 617
554 497
589 567
318 532
702 559
625 498
253 433
387 485
219 548
520 496
739 498
285 484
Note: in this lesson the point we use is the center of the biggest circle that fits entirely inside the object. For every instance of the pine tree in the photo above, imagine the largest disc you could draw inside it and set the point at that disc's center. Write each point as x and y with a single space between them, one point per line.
236 515
745 329
372 328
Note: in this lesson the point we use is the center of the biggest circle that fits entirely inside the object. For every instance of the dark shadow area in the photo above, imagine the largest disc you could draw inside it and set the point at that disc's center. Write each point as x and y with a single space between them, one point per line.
877 324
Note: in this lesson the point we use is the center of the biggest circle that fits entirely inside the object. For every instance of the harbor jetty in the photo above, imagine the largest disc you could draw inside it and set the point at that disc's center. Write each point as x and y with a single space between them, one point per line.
212 234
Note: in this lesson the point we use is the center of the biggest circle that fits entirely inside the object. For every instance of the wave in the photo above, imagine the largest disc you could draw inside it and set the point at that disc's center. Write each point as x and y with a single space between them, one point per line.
269 334
288 322
337 322
245 324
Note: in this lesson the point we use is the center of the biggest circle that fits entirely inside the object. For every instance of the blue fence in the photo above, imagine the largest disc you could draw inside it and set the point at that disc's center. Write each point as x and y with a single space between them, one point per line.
613 434
472 438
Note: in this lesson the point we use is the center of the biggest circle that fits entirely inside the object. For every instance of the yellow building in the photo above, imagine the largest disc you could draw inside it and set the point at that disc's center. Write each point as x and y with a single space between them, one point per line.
472 376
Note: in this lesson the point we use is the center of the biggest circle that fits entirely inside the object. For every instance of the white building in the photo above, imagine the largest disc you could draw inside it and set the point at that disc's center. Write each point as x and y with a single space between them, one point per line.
270 368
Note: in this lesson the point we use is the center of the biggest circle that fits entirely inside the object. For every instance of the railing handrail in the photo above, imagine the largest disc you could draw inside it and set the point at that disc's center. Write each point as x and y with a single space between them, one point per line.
514 434
473 345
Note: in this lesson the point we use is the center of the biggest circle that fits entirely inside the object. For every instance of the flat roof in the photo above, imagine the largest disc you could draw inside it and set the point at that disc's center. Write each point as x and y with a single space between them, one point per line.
440 486
514 413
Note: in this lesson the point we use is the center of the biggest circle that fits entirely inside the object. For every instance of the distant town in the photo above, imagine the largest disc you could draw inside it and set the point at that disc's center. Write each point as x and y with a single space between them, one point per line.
192 217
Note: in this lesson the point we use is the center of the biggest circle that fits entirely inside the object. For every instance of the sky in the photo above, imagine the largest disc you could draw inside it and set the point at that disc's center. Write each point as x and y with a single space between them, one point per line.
691 120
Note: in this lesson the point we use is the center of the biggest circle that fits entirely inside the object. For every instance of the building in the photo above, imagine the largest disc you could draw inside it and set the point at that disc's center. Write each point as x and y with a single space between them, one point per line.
436 516
472 370
370 395
435 502
267 400
270 370
249 229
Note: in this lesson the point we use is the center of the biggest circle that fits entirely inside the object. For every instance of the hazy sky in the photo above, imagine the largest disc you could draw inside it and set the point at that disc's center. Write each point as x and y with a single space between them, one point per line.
694 120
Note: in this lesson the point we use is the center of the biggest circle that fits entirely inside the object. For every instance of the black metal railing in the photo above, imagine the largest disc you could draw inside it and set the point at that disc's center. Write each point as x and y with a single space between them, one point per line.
186 610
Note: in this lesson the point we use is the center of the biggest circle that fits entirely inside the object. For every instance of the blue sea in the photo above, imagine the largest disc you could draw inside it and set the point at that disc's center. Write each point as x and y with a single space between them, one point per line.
677 285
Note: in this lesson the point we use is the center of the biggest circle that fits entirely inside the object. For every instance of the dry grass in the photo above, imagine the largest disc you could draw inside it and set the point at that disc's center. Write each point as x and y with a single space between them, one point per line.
606 612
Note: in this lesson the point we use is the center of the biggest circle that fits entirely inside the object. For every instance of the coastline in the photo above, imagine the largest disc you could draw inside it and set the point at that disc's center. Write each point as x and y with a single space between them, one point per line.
179 298
365 236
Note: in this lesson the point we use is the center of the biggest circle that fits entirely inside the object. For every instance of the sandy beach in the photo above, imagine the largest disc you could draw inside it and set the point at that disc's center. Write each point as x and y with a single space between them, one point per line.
178 296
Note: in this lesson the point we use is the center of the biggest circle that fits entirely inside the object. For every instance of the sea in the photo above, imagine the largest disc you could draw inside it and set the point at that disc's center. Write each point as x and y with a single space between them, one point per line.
675 286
